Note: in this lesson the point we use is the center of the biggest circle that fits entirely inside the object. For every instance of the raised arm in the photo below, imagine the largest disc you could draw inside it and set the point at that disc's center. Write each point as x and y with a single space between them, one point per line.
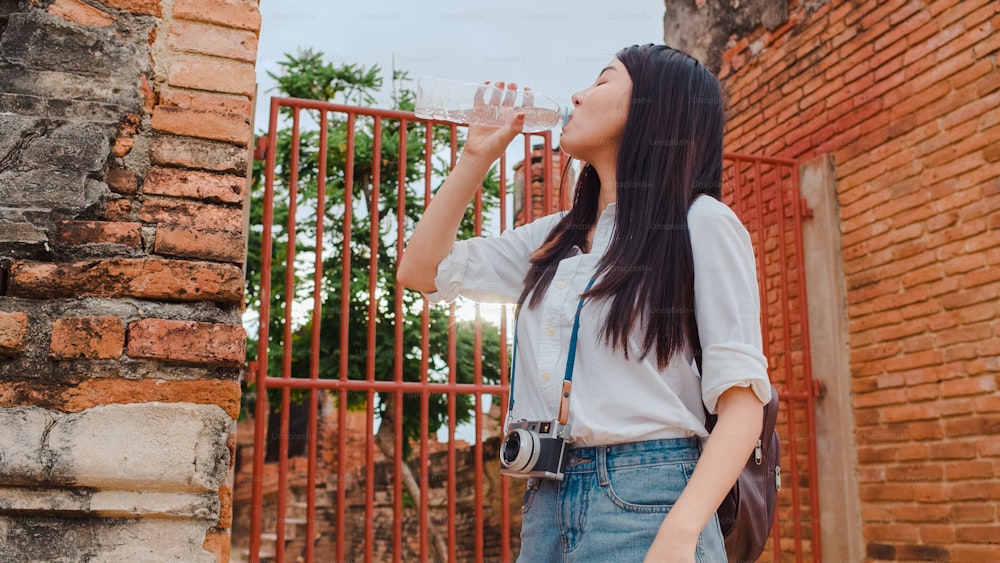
435 233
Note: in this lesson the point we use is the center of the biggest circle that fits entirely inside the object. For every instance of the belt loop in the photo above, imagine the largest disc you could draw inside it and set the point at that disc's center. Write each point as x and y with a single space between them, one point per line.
602 465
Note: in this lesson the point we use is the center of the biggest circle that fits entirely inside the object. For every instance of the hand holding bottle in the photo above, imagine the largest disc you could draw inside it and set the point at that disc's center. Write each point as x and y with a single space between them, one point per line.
485 140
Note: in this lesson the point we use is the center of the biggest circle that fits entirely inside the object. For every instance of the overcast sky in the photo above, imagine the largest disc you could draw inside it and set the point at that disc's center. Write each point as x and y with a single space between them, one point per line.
555 46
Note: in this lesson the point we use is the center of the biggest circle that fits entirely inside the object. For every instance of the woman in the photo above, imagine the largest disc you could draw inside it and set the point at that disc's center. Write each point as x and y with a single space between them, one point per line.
673 274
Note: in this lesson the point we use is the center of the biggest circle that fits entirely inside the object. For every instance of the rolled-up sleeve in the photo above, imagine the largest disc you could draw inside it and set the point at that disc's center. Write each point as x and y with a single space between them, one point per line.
491 269
727 303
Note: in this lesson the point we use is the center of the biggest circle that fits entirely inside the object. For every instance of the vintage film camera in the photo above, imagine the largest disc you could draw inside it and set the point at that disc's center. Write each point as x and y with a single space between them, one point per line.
534 449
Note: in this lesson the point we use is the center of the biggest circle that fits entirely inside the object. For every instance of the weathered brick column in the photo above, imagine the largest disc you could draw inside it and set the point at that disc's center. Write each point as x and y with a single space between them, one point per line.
124 148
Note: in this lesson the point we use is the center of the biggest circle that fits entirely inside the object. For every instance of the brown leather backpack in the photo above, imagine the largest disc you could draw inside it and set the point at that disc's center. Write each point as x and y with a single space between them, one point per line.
747 512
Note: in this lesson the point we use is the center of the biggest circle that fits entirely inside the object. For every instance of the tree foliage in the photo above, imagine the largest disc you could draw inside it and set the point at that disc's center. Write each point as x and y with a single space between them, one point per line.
308 75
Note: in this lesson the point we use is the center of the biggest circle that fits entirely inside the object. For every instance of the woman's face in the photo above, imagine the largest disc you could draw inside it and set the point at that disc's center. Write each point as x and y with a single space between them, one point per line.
598 118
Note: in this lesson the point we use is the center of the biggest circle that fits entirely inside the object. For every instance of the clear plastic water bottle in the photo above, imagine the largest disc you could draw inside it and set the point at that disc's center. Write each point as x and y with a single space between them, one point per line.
450 100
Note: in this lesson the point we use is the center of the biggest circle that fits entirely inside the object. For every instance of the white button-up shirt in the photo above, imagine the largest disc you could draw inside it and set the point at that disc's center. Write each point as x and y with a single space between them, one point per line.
614 400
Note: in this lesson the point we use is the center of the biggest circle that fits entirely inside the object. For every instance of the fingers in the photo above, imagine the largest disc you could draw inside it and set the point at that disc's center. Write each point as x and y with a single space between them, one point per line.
497 92
508 99
480 98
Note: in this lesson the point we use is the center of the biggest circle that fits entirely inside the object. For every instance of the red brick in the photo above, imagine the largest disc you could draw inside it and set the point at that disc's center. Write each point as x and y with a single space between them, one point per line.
241 15
225 507
972 513
122 146
76 233
219 75
205 101
13 332
975 553
118 210
953 450
78 12
979 534
87 337
229 128
162 280
983 425
920 513
214 40
191 214
186 242
193 184
122 181
109 391
187 342
937 534
201 154
218 543
149 7
905 412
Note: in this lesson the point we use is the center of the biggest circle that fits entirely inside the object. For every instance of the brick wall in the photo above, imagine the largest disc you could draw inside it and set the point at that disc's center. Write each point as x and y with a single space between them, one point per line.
904 95
124 133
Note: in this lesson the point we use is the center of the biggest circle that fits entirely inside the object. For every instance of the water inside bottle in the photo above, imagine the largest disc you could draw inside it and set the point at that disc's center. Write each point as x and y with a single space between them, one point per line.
536 119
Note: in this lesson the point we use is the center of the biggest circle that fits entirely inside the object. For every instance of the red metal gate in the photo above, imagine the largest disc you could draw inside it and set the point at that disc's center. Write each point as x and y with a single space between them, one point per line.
362 499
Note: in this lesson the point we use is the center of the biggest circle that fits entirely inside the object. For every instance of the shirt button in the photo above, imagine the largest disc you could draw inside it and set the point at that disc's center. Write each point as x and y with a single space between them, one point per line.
550 331
561 285
546 376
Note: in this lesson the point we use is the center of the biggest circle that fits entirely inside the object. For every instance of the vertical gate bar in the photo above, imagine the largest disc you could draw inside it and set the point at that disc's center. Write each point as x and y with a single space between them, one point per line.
452 366
373 218
789 378
761 262
397 490
286 360
314 352
528 209
547 171
477 378
345 293
452 469
424 352
502 396
263 326
807 367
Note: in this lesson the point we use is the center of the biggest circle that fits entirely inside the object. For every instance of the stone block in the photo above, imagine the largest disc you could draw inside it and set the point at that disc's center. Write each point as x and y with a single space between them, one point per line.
139 447
163 280
149 7
38 40
110 503
187 341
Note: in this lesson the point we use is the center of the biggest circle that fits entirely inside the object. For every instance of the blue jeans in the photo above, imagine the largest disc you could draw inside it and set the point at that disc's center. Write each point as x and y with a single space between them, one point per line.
610 504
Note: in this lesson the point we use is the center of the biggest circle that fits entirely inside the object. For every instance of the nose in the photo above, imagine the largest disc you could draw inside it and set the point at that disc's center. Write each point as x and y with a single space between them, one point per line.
577 98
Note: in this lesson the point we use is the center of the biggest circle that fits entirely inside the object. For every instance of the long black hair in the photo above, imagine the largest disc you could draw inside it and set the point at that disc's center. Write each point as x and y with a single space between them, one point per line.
670 153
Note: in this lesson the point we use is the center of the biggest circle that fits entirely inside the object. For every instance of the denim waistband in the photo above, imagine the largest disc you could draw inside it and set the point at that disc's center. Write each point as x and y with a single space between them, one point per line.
631 454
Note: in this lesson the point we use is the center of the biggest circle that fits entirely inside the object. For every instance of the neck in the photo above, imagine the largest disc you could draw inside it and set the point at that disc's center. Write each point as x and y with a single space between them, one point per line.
609 191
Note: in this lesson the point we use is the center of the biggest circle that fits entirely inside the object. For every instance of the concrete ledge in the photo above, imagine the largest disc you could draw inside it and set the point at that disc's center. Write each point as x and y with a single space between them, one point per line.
108 504
109 540
158 447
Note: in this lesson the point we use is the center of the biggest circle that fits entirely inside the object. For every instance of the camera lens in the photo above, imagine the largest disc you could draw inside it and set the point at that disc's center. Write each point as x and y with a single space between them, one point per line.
511 447
519 450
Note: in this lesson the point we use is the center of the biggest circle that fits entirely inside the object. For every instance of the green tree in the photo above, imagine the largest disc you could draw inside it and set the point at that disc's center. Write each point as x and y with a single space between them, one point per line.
307 75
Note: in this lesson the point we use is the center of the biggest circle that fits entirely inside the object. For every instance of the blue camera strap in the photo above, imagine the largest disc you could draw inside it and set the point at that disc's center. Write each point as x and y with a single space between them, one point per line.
570 361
